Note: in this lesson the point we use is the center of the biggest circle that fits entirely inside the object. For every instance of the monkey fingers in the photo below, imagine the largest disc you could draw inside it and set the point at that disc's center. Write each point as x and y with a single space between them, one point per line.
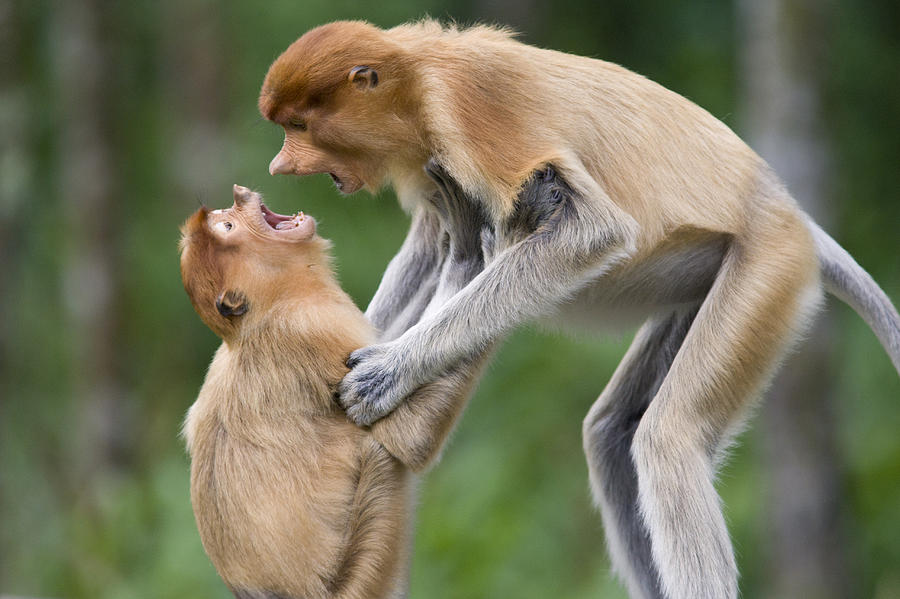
376 383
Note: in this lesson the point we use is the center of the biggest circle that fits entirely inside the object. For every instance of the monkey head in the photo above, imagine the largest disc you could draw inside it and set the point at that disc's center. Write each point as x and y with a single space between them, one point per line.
237 263
344 95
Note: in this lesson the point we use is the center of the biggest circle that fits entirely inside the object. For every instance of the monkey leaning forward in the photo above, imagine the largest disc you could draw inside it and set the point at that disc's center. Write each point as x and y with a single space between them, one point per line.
292 500
657 207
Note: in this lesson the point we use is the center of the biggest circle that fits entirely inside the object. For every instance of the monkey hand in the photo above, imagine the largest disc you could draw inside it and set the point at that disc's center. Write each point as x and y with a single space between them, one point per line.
375 384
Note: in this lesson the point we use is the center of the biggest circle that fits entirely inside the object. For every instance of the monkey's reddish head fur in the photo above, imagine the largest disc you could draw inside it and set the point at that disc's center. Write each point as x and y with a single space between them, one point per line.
370 107
237 263
343 94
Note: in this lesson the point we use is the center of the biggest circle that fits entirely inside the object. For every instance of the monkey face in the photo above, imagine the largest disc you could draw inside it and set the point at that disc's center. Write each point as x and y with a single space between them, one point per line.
341 94
239 260
249 223
302 154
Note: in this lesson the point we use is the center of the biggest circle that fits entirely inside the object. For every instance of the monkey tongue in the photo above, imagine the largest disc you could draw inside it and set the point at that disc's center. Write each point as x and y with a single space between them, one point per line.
273 219
296 227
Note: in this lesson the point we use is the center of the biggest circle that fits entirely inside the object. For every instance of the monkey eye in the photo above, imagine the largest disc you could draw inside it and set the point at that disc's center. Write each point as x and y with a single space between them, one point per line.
224 226
298 124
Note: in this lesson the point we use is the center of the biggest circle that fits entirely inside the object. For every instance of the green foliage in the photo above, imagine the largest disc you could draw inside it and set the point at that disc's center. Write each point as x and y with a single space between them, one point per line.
507 512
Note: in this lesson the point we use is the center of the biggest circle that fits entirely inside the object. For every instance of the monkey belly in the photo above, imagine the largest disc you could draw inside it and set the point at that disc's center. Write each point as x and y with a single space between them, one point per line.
274 506
678 271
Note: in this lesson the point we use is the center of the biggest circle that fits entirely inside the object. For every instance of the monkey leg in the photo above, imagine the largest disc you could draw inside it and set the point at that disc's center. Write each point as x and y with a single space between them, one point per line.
761 299
608 431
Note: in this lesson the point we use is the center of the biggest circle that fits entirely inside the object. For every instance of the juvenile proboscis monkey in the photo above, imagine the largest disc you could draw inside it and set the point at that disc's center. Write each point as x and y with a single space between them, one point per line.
657 208
292 500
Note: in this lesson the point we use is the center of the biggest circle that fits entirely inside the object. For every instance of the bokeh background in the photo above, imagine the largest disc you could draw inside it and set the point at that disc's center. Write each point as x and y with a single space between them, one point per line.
117 118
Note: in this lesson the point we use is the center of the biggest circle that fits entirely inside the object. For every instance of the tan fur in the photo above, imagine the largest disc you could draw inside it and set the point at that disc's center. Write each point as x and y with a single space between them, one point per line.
667 164
492 127
664 210
492 110
290 497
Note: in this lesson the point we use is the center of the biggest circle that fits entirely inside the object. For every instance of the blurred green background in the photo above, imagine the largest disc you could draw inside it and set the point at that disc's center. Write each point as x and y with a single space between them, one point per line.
117 118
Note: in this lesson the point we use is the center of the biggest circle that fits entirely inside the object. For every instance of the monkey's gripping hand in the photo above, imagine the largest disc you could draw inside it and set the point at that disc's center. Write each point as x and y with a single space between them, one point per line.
376 384
380 379
441 255
556 240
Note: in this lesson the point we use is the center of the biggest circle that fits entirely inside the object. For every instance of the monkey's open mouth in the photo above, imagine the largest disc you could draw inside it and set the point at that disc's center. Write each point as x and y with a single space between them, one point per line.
346 182
281 221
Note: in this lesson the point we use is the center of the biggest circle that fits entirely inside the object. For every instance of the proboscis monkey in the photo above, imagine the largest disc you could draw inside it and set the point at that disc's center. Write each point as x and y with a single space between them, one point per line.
292 500
658 209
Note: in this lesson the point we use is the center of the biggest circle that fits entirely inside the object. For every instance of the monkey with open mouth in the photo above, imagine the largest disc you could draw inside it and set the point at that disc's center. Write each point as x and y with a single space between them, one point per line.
292 499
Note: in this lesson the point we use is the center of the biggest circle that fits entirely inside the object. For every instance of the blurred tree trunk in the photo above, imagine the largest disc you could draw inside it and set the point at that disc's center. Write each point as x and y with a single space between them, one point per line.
11 127
12 159
196 90
91 194
782 43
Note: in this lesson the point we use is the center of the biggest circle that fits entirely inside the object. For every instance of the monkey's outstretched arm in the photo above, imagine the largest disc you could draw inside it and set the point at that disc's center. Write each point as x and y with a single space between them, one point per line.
462 220
568 240
411 277
415 432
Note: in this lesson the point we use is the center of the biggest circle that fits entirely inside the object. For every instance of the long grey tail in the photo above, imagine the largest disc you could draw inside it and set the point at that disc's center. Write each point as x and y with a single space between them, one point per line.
846 280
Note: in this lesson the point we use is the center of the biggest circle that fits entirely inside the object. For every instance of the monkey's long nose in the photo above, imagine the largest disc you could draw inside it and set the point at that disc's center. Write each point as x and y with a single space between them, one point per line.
241 195
281 164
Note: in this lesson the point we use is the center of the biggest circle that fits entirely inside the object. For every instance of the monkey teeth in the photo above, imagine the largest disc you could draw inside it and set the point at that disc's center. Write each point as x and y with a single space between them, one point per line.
292 223
281 222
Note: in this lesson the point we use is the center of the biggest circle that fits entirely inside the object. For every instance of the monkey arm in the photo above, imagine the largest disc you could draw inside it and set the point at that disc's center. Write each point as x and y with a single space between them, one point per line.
411 277
462 221
415 432
571 240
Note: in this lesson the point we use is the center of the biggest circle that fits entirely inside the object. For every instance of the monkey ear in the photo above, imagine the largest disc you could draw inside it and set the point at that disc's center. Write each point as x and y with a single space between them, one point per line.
363 77
232 303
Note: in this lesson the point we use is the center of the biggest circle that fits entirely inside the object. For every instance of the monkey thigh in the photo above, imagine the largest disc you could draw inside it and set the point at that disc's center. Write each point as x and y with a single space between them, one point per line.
759 303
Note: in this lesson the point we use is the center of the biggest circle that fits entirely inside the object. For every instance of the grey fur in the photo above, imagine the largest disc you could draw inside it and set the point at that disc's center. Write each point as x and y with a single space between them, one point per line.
449 232
846 280
540 199
462 221
654 436
608 432
441 255
570 235
411 277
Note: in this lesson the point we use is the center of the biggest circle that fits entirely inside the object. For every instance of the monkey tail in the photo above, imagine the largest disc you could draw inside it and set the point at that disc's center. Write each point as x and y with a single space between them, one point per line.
847 281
